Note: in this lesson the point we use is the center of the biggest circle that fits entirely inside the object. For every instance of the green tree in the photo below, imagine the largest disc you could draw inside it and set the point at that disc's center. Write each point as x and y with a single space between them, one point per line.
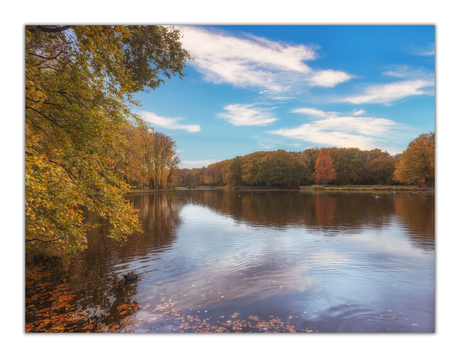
79 86
324 169
416 163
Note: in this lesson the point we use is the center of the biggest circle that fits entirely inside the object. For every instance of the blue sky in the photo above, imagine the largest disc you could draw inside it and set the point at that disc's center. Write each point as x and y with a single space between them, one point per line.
258 88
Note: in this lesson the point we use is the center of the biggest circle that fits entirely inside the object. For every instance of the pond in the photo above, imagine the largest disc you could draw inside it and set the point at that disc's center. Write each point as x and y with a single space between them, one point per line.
250 261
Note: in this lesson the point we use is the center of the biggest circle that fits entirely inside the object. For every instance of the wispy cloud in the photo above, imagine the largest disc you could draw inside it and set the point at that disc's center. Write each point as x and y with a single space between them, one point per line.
390 92
313 112
190 164
428 50
333 129
169 123
410 73
358 112
250 61
247 115
274 143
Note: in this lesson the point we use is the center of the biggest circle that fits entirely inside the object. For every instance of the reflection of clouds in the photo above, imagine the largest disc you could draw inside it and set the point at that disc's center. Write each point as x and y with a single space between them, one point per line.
236 228
388 242
328 258
222 282
251 264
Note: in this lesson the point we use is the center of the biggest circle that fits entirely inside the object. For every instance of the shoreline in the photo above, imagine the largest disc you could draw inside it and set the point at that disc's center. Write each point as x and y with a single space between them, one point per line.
302 188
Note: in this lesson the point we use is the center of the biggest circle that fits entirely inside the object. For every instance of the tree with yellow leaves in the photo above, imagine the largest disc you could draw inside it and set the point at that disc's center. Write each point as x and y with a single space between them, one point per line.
79 86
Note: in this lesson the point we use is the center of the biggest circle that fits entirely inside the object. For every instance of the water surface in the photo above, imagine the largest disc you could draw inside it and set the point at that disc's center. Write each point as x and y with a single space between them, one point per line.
262 261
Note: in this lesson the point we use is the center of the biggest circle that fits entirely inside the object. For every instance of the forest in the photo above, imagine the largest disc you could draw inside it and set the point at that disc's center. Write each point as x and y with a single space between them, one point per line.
334 166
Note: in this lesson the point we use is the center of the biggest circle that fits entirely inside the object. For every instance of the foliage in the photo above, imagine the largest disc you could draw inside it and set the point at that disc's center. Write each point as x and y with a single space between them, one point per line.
232 172
281 169
324 170
416 163
79 86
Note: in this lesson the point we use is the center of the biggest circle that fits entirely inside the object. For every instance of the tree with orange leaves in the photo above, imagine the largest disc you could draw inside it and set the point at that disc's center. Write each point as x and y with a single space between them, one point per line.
324 169
416 163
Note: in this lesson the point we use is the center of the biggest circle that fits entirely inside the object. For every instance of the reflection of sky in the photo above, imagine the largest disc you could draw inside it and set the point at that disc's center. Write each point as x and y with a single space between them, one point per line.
363 263
313 271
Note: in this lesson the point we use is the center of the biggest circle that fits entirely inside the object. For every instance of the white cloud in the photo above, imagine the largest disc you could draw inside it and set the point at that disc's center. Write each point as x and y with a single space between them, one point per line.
358 113
329 78
311 111
390 92
312 134
190 164
246 115
340 131
169 123
252 61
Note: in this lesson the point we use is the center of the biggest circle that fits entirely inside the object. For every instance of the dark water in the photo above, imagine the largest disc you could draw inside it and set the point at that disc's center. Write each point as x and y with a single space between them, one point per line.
247 261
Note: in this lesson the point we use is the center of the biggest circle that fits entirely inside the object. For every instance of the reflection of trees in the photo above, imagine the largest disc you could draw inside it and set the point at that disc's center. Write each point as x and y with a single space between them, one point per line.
331 211
95 270
416 212
159 216
315 210
93 278
325 209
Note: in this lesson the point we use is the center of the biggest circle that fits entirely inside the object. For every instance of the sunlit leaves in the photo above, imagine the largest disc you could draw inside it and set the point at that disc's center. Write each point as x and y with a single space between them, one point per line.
78 92
416 163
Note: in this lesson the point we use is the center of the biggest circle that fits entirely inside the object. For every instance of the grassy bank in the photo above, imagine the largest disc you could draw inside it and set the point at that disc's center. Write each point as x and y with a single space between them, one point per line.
366 187
311 187
147 190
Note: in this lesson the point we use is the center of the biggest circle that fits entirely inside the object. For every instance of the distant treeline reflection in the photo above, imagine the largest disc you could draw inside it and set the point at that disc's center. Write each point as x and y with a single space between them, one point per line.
327 212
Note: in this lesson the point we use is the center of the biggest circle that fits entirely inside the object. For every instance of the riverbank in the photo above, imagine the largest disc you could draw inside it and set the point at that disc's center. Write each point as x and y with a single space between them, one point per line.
310 187
367 187
146 191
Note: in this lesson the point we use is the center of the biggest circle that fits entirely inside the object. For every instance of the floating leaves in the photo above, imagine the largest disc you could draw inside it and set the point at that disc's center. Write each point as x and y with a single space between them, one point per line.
52 307
55 308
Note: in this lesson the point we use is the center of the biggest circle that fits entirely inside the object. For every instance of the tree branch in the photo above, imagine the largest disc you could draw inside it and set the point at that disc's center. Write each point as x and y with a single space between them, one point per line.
45 241
48 29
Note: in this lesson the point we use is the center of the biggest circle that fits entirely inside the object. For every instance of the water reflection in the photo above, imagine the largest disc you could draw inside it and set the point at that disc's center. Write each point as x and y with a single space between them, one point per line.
260 261
416 213
323 211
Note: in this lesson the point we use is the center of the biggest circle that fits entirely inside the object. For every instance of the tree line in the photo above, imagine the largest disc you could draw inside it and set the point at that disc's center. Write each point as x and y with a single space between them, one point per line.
334 166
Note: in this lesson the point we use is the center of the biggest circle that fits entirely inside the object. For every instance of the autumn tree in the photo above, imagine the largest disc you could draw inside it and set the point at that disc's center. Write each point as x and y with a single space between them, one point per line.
132 167
285 170
380 167
416 163
79 84
232 172
150 158
324 169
